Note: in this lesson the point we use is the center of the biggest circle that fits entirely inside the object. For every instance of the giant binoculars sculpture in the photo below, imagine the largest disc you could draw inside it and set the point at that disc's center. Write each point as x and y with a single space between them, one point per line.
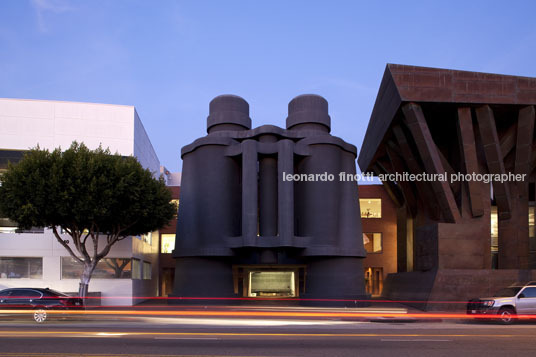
263 212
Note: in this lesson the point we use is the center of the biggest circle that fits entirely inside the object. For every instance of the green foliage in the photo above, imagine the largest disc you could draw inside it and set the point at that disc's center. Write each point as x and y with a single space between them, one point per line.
82 190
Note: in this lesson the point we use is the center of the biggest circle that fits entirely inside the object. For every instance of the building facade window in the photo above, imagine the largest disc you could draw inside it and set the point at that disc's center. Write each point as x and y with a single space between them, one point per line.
167 242
371 207
8 226
374 280
21 268
146 271
147 238
373 242
176 203
495 237
136 269
272 284
107 268
532 237
7 156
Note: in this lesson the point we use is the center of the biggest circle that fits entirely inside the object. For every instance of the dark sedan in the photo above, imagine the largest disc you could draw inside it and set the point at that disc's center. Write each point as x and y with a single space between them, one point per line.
38 300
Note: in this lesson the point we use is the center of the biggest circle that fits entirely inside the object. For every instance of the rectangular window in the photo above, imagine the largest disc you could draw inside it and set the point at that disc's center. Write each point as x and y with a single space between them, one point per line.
373 242
31 230
176 203
8 229
167 242
146 271
8 226
532 235
21 268
495 229
374 280
271 284
107 268
147 238
136 269
7 156
495 237
371 207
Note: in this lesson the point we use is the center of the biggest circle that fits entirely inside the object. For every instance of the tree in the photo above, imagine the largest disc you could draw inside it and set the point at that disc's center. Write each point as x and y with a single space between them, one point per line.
91 195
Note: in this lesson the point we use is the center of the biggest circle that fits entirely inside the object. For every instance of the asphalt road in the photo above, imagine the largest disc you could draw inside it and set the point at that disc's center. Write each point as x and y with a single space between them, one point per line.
155 336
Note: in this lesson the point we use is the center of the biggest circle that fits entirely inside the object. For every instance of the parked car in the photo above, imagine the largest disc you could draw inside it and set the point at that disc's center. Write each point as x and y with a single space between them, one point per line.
507 303
39 300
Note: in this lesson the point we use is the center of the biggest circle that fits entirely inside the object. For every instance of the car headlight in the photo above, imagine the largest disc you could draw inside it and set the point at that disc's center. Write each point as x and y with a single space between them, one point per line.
488 303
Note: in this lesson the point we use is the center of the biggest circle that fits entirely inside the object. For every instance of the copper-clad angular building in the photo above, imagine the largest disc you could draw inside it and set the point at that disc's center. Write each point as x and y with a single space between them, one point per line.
252 224
465 237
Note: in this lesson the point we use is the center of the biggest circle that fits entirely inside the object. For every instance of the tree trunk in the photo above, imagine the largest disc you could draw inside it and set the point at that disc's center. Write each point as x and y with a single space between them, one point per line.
82 291
84 281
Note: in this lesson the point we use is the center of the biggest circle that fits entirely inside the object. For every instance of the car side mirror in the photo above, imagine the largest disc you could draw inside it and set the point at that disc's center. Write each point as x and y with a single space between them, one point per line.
521 296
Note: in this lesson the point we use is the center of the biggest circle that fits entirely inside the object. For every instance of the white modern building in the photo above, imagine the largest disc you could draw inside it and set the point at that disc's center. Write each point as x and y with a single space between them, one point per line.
34 258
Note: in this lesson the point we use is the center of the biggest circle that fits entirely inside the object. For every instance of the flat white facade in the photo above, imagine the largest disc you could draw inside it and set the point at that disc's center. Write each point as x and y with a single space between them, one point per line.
25 124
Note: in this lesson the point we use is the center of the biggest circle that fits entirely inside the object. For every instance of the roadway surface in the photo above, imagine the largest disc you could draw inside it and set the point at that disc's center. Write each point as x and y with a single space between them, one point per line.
111 336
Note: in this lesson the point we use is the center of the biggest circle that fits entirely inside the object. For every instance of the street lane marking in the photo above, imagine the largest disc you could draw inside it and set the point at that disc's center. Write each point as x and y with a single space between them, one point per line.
187 338
32 354
111 333
413 340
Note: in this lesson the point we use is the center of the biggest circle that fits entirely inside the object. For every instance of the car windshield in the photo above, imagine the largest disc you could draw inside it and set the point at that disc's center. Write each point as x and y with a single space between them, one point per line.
507 292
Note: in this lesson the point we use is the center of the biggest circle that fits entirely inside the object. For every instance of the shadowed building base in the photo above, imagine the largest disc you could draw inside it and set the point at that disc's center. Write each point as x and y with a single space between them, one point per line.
450 289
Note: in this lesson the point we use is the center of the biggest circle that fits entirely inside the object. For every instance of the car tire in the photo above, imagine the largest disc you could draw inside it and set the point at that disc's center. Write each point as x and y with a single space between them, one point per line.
507 315
40 316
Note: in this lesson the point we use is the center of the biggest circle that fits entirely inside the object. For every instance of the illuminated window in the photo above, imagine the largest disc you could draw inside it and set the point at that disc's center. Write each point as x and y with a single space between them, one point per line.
167 242
107 268
136 269
272 284
374 280
495 229
494 238
371 207
147 237
532 235
21 268
7 226
372 242
8 229
146 270
176 203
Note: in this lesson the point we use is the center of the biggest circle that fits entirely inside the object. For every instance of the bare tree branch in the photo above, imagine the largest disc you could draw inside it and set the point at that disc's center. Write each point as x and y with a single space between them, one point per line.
65 245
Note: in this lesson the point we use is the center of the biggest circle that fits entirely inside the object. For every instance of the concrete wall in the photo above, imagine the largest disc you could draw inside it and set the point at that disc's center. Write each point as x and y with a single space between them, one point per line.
24 123
143 149
50 124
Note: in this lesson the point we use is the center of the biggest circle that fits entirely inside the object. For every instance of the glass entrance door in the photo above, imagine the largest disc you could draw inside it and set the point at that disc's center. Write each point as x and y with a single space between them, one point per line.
272 284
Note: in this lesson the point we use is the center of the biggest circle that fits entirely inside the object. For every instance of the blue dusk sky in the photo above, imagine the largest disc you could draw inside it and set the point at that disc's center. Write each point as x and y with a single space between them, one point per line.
170 58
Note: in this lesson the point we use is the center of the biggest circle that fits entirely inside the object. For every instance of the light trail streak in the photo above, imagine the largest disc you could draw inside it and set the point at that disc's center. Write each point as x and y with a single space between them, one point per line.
202 299
266 314
174 300
70 334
